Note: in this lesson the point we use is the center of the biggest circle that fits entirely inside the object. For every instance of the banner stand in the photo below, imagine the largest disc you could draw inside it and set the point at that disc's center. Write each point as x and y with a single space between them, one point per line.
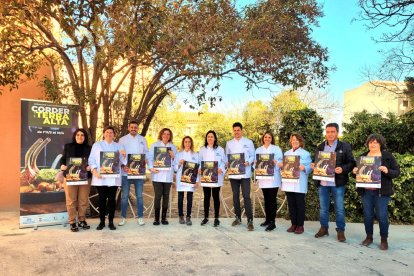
45 128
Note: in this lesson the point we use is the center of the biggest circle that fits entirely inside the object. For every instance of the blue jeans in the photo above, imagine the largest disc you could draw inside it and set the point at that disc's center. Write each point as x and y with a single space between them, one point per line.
138 183
375 205
324 201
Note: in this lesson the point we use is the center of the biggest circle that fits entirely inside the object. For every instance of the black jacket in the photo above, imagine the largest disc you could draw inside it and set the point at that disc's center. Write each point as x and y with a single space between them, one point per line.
344 159
75 150
387 160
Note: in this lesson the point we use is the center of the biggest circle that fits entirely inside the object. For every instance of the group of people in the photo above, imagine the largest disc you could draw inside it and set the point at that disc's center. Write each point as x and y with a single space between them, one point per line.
375 200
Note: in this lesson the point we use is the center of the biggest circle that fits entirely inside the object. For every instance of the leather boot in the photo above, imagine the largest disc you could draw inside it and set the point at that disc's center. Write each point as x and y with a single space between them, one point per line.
164 220
368 240
384 243
156 217
341 236
322 232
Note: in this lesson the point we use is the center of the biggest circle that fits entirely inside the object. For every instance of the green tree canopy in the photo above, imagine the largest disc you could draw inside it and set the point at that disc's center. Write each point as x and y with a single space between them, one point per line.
398 131
307 122
186 45
257 119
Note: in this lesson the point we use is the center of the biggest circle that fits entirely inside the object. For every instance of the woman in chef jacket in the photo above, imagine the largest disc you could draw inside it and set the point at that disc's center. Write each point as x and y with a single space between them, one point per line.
211 151
186 155
269 186
106 184
162 178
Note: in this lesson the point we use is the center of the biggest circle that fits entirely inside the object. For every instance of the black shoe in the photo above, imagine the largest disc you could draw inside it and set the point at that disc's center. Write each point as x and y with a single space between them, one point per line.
100 226
270 227
156 222
83 225
216 222
265 223
74 228
111 226
164 220
204 222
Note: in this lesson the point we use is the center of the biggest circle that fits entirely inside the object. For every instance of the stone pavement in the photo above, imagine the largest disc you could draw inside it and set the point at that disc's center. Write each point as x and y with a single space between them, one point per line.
195 250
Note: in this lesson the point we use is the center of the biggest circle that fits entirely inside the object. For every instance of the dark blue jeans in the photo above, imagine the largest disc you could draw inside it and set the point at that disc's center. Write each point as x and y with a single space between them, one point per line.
324 200
375 205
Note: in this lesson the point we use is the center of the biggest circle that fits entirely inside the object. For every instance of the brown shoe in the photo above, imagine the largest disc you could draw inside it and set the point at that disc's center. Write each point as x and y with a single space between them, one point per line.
236 222
291 229
368 240
322 232
299 230
384 244
250 226
341 236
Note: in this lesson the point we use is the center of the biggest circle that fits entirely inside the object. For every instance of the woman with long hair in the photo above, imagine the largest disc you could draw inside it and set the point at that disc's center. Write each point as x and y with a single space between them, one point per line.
211 151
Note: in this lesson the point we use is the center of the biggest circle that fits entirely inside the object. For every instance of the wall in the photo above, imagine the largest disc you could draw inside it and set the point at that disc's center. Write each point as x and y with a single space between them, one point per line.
374 100
10 145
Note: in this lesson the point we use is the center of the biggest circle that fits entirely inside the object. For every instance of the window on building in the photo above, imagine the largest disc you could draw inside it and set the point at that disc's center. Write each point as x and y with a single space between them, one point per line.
405 103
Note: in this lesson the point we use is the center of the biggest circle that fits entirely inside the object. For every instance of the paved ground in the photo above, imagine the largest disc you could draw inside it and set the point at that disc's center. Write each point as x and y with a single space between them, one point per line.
182 250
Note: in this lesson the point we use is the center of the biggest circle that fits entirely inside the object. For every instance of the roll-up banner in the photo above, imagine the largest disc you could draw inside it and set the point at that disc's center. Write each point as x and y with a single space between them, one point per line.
45 128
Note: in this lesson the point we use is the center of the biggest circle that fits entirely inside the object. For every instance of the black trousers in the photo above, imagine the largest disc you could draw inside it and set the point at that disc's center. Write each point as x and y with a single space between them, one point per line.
244 183
161 190
181 203
296 202
216 198
270 202
107 193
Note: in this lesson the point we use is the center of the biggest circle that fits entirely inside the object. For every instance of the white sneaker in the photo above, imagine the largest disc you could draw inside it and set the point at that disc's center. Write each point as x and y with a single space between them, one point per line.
141 221
122 222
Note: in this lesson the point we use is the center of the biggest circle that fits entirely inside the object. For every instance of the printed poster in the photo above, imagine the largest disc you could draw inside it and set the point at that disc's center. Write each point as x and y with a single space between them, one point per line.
209 174
265 166
45 129
109 164
325 163
162 158
189 173
76 172
136 165
237 168
368 175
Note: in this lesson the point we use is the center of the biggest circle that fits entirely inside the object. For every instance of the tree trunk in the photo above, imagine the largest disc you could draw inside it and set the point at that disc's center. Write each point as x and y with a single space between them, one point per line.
128 106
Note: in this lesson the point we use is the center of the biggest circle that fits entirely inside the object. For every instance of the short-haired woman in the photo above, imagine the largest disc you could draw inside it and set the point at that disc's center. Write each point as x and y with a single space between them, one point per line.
376 200
106 186
296 192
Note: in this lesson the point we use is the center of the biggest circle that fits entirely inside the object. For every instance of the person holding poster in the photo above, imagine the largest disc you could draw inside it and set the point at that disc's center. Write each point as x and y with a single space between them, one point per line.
187 155
160 158
241 146
212 153
376 200
132 143
77 194
344 164
270 184
296 191
106 174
